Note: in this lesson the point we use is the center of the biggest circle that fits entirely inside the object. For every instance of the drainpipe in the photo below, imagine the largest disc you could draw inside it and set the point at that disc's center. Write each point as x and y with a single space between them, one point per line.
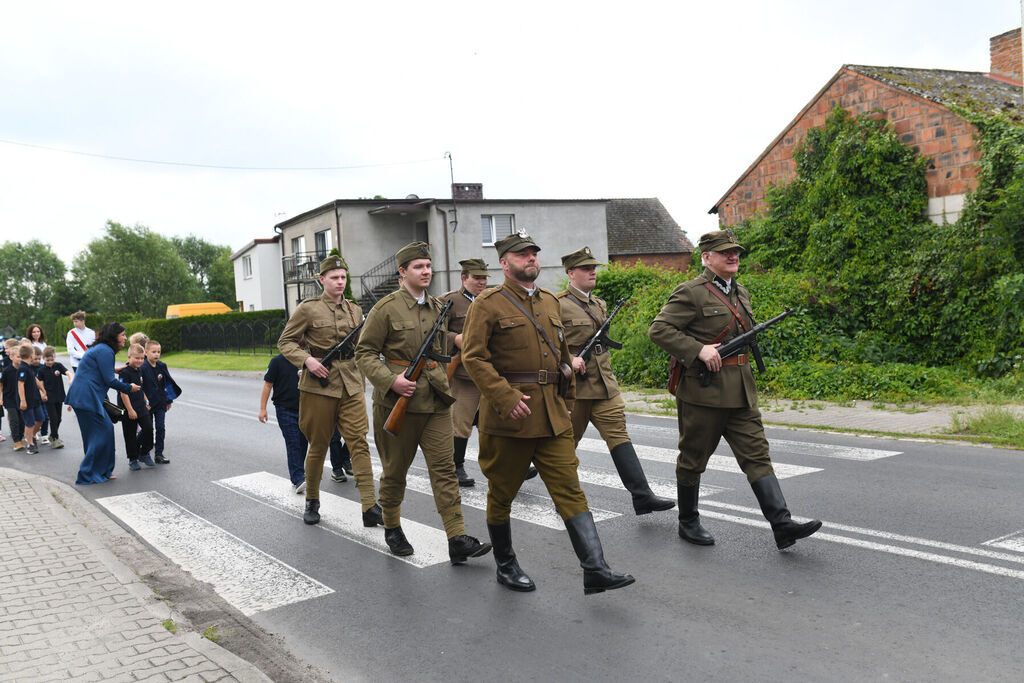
284 285
447 259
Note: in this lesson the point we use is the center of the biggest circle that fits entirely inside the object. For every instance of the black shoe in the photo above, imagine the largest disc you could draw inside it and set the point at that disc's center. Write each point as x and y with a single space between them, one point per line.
509 574
530 473
773 505
312 513
597 575
462 547
464 479
160 459
374 516
397 542
633 478
690 528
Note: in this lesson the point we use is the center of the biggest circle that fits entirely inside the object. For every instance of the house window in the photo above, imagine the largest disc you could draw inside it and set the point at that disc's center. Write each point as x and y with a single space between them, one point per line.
247 267
323 244
494 227
298 244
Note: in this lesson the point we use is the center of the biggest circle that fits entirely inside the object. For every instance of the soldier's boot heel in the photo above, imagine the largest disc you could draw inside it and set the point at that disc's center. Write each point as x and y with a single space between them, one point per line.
460 461
597 575
312 513
627 464
509 572
773 506
690 528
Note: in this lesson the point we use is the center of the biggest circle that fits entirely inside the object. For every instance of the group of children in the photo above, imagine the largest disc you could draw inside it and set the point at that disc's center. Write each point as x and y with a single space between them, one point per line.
33 395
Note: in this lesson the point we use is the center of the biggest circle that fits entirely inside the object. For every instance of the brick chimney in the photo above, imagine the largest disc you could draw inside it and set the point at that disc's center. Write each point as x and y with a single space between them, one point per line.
1006 54
470 191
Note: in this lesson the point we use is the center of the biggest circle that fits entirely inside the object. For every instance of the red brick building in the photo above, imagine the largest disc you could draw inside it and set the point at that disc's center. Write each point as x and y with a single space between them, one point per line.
915 102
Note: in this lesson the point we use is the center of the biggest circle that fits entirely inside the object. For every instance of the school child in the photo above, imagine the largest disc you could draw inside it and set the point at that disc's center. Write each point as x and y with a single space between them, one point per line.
31 397
79 339
52 374
43 435
158 379
136 443
9 395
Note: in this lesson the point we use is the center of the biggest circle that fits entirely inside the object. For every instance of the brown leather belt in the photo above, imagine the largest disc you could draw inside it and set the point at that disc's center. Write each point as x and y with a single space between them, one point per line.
741 359
539 377
598 349
317 352
431 364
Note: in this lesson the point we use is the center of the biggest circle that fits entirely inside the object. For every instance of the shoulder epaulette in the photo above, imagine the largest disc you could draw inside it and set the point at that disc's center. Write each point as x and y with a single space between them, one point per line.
561 295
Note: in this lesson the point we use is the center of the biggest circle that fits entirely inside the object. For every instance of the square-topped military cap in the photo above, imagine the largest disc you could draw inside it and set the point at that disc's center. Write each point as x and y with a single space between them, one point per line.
515 242
474 266
413 250
719 240
580 257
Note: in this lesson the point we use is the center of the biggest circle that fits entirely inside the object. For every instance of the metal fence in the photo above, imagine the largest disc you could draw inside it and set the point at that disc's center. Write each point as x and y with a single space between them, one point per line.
242 337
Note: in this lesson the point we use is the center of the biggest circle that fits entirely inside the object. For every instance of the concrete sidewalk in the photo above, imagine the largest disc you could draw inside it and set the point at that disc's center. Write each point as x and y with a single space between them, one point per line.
71 610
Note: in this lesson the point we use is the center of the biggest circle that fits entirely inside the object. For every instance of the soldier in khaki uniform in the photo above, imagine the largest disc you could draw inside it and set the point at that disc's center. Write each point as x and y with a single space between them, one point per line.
394 331
701 314
598 399
467 396
514 349
314 328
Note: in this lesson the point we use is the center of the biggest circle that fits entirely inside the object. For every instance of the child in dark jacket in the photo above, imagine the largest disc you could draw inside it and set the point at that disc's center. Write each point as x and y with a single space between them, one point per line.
52 375
158 381
137 443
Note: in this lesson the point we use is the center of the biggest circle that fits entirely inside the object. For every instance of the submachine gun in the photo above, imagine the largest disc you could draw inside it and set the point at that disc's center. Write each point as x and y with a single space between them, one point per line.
394 422
344 350
738 343
601 338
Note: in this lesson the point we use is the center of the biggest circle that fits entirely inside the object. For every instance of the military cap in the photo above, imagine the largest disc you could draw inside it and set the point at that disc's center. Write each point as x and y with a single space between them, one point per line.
580 257
515 242
719 240
413 250
333 260
474 266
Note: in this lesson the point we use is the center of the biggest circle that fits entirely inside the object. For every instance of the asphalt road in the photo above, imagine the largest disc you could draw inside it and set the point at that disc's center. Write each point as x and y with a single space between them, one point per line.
917 574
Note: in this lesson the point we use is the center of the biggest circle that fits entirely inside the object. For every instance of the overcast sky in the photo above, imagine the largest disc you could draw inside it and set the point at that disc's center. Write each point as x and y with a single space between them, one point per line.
533 99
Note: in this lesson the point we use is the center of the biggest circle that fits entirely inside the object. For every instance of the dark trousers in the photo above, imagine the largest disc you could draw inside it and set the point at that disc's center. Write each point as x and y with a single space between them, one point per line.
53 411
136 443
17 426
295 443
157 423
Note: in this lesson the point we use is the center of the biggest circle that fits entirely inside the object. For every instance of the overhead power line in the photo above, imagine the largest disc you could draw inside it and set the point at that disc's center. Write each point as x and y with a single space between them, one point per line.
217 166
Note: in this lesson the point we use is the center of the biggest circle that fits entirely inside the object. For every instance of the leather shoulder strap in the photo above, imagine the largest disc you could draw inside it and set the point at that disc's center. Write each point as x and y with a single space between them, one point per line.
547 339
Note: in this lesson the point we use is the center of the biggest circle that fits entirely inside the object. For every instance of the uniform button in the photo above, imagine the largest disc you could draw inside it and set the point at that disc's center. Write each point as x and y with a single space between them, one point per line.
545 354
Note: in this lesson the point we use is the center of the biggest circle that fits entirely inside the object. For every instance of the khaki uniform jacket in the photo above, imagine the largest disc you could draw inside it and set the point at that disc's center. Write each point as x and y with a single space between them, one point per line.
456 322
599 381
395 328
321 323
693 317
497 339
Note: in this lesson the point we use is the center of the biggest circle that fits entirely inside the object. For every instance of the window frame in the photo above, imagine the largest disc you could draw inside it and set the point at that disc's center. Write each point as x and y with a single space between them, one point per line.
494 237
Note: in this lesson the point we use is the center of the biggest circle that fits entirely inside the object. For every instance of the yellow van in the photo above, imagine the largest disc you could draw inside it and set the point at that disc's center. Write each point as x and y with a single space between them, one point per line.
185 310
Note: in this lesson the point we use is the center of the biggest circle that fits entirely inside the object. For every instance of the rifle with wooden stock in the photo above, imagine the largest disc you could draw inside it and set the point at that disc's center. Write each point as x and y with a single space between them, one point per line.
393 425
344 349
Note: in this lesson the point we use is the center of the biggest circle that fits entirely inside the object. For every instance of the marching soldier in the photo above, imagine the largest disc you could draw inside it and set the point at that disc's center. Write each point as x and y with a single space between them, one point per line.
514 349
699 315
467 396
598 399
394 331
316 326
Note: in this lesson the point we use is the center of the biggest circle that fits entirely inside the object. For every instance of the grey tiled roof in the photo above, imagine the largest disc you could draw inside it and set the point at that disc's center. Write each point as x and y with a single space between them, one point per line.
967 88
643 226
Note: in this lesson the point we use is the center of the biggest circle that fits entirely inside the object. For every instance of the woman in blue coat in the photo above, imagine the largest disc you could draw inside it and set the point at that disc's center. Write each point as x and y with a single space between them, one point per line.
94 376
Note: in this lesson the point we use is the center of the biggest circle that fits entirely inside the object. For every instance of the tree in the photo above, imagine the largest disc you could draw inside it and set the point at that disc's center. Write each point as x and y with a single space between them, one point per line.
29 274
132 270
210 265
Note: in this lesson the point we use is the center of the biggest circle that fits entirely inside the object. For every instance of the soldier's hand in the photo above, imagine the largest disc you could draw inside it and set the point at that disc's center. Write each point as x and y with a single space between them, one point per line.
316 367
579 365
521 410
403 386
709 354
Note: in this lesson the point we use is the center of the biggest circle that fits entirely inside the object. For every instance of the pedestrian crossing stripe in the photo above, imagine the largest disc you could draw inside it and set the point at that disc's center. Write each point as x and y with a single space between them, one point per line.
242 574
1014 542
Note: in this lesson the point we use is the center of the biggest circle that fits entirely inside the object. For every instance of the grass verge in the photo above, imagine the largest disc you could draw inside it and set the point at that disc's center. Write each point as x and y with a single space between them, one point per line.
190 360
994 425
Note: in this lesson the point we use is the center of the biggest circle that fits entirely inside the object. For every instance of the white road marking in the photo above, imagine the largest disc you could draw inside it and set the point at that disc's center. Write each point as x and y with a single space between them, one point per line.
225 411
242 574
1014 542
342 517
718 463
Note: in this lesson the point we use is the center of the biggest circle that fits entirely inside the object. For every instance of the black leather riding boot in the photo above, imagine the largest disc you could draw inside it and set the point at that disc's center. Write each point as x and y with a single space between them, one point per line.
509 573
690 528
597 575
312 512
460 462
635 481
773 506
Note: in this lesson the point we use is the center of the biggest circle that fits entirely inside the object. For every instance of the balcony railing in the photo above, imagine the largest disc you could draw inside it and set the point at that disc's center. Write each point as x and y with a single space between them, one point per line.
302 266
